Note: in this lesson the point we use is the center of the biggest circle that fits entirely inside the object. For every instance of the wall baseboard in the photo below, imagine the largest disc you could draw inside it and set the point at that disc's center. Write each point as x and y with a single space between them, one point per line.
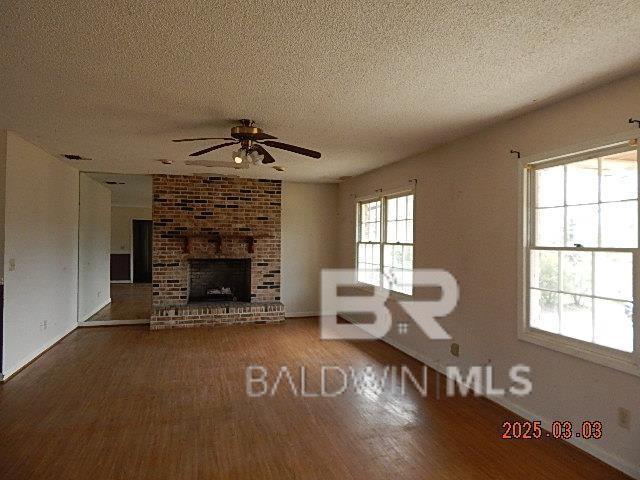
113 323
96 310
301 314
33 356
120 281
604 456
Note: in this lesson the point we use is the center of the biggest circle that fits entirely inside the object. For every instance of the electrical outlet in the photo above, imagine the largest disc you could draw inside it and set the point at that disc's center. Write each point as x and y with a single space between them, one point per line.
12 264
455 349
624 418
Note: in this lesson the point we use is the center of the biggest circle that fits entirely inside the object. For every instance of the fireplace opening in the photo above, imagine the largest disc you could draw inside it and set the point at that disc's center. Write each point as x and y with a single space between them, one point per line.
220 280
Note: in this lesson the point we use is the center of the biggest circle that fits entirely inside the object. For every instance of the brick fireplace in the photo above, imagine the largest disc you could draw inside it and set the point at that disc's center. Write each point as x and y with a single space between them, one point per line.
216 251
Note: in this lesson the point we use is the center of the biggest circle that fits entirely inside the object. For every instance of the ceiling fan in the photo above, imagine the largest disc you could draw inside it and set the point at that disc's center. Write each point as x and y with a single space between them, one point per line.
251 140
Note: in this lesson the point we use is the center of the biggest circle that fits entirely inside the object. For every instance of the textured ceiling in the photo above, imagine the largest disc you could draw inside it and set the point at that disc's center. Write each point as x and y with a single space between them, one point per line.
366 82
129 190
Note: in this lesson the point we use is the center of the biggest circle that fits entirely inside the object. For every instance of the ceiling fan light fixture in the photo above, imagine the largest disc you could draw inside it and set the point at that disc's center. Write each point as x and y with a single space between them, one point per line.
239 156
255 157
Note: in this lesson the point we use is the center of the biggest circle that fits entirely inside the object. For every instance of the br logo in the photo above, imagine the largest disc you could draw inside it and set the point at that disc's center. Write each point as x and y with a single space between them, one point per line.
423 312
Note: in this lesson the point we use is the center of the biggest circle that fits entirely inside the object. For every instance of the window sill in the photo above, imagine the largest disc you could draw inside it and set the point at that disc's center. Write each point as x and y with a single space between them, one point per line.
621 361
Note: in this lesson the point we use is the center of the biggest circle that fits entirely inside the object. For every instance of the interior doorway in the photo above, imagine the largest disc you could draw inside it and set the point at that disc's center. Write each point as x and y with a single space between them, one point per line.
124 235
141 245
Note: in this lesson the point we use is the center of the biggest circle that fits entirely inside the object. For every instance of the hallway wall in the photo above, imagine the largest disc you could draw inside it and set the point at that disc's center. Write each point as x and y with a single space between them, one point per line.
41 252
94 236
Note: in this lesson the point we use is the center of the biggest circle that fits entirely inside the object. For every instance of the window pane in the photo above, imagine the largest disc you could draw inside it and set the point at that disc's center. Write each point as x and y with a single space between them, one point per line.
388 255
619 224
402 208
582 226
369 263
370 222
577 317
576 272
364 213
391 232
388 279
407 262
619 176
582 182
550 187
398 264
544 269
550 227
409 231
544 311
614 277
410 206
398 280
614 324
401 231
397 256
392 209
369 275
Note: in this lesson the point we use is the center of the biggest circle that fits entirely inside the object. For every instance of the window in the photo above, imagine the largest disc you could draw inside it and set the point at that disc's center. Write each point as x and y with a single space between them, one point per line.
581 250
385 242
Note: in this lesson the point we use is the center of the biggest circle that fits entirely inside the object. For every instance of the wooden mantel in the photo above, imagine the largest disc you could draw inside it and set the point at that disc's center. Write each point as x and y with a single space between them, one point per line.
219 238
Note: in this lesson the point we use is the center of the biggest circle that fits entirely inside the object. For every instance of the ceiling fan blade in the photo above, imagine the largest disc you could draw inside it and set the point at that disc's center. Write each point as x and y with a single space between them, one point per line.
202 138
215 147
264 136
263 151
293 148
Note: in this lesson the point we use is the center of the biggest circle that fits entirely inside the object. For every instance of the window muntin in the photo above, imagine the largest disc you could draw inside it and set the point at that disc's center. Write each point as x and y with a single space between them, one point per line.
385 242
583 236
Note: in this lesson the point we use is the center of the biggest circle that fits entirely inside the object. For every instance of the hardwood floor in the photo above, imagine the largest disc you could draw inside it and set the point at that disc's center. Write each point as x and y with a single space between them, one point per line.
129 301
128 403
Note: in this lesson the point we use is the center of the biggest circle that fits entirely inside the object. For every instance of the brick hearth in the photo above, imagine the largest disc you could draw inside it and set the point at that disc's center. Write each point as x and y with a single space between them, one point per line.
215 217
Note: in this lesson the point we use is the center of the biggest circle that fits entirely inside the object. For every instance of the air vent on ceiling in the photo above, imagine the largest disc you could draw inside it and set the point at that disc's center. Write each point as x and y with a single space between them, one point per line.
72 156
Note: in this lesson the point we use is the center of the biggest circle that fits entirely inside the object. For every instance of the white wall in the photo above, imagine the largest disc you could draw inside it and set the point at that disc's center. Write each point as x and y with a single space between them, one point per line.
121 225
41 239
94 236
309 219
467 222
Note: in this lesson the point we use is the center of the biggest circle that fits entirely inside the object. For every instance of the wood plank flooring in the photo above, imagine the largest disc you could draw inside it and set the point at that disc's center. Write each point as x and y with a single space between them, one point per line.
129 301
128 403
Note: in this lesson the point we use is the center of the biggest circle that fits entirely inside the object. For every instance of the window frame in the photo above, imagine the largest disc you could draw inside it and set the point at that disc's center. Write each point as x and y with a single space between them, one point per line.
383 197
628 362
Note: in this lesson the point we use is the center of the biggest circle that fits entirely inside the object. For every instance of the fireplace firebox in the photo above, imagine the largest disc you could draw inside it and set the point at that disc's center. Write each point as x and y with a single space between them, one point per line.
220 280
